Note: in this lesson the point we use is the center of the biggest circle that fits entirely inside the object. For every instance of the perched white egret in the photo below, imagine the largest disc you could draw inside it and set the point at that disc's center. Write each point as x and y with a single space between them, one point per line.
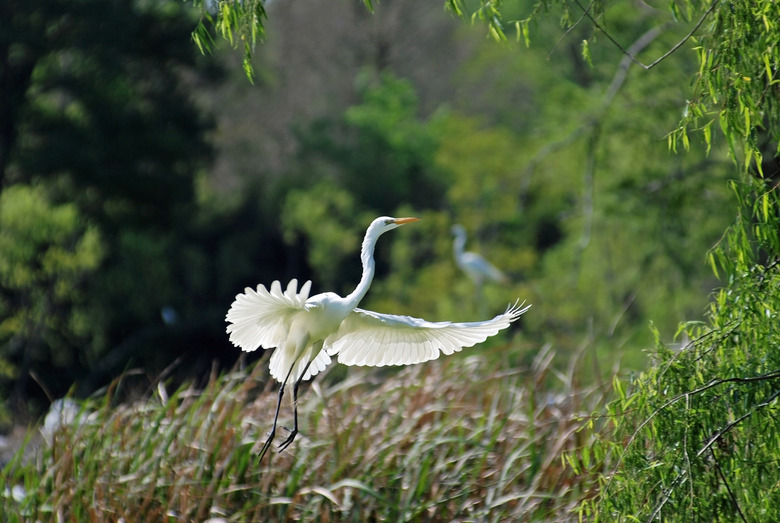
475 266
307 331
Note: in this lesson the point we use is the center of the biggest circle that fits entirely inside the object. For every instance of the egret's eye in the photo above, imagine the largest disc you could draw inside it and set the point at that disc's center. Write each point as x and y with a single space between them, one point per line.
389 221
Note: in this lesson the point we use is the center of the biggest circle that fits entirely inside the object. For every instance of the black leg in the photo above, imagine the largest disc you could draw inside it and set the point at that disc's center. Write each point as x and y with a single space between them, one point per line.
294 431
270 439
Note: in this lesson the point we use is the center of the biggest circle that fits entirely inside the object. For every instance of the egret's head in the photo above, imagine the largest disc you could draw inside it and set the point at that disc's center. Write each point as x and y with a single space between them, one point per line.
458 230
397 222
387 223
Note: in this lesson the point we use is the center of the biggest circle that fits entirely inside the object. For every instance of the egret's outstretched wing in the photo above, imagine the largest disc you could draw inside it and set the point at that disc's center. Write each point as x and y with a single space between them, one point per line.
374 339
262 317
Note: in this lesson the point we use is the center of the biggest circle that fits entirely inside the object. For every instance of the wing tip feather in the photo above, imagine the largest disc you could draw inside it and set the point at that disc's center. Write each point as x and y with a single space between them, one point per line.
516 309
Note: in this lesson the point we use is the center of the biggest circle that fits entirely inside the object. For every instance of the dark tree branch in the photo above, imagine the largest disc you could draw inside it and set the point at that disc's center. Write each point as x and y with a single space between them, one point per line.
614 87
631 56
570 29
684 395
736 422
678 479
715 438
642 42
726 483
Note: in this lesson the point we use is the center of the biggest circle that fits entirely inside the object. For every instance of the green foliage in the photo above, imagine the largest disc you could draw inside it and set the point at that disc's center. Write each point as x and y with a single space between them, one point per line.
326 216
695 435
239 22
600 208
699 429
41 241
488 12
482 165
242 23
47 252
101 111
375 157
379 149
95 113
485 195
431 443
737 81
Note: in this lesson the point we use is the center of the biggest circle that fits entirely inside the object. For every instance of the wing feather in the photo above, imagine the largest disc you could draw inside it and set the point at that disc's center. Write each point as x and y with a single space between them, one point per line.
428 352
262 317
321 360
375 357
395 353
375 339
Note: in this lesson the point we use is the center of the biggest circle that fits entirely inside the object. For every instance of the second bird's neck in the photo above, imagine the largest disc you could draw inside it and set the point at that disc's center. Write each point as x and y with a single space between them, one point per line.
459 244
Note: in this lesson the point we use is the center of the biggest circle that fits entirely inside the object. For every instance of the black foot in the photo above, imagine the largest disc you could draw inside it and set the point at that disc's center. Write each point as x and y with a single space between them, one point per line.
290 438
266 446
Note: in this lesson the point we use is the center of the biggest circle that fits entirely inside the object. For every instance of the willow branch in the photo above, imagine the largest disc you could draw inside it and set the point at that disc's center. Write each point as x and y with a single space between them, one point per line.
712 383
629 54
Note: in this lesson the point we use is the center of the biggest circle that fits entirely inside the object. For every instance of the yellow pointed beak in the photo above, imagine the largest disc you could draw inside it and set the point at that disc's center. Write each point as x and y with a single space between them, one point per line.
402 221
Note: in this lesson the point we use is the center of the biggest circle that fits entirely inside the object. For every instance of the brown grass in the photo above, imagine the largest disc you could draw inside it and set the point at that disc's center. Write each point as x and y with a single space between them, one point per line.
449 440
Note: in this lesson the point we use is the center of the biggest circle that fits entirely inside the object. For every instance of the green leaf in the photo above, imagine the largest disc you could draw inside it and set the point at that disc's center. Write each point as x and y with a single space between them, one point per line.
586 53
707 131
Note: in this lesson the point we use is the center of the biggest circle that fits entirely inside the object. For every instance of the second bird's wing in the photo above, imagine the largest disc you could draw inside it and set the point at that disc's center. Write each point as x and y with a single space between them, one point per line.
375 339
262 317
478 267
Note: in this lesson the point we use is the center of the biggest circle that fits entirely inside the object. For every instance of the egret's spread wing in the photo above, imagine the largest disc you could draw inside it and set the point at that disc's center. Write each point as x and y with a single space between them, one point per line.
374 339
262 317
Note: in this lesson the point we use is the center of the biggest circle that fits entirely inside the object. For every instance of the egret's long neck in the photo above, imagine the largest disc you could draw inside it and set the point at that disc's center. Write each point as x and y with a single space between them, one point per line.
367 258
459 244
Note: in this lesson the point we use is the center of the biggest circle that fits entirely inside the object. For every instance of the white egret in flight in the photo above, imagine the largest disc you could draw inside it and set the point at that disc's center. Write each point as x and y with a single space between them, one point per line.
475 266
307 331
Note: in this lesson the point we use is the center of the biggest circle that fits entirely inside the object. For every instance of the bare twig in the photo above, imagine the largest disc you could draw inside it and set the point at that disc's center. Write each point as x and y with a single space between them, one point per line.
570 29
642 42
631 56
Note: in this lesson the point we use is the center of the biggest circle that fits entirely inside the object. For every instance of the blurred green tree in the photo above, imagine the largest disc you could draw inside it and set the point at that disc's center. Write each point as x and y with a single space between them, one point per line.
379 148
47 252
369 161
97 111
96 103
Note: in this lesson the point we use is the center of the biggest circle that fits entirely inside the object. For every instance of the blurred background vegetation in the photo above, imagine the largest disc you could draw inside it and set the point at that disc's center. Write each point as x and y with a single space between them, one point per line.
144 185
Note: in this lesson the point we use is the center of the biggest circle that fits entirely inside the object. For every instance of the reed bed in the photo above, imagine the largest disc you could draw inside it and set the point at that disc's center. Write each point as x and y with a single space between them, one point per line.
457 439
